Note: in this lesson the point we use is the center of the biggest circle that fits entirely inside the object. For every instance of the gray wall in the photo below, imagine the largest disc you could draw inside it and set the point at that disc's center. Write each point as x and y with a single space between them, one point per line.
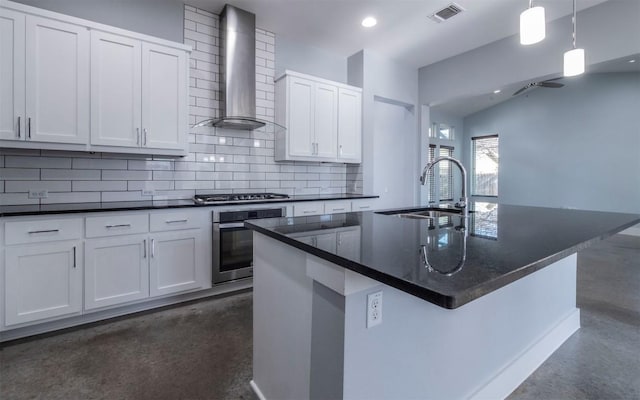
607 31
299 57
576 147
392 83
160 18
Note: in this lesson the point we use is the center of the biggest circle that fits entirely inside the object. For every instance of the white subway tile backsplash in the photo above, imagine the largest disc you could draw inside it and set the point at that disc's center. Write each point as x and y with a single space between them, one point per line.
72 197
19 174
149 185
70 174
150 165
16 198
127 175
37 162
124 196
98 186
26 186
88 163
219 160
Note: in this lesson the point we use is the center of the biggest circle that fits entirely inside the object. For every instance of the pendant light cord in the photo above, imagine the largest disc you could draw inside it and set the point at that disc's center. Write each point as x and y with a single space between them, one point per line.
573 20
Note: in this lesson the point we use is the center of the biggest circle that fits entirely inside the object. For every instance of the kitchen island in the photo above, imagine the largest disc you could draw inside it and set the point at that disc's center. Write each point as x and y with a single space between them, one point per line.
470 306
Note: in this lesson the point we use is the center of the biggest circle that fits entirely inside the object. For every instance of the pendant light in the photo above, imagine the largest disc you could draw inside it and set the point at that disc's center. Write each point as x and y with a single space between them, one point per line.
574 58
532 26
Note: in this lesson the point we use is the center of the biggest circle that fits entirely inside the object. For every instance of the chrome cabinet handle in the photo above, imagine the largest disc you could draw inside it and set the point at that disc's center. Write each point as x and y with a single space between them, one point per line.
45 231
145 136
138 136
340 150
144 249
19 127
153 248
308 212
117 226
175 221
29 127
338 209
74 256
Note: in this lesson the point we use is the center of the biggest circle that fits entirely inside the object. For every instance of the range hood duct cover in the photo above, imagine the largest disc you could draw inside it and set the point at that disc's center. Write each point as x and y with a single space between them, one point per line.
238 70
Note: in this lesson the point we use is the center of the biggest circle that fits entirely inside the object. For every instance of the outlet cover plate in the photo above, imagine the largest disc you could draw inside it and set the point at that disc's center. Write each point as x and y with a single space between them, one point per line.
374 309
38 194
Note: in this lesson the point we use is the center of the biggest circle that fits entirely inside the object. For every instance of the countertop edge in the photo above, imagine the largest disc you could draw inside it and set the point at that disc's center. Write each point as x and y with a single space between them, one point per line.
97 209
440 299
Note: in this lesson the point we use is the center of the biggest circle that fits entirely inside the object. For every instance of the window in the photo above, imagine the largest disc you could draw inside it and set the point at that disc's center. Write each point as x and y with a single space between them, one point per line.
445 172
486 158
441 131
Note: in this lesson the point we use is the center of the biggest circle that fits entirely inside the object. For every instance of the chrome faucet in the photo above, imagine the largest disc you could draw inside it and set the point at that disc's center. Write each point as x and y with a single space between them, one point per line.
463 200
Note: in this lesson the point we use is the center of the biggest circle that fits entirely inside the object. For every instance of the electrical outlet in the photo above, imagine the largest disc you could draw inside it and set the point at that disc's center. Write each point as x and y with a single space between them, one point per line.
374 309
148 192
38 194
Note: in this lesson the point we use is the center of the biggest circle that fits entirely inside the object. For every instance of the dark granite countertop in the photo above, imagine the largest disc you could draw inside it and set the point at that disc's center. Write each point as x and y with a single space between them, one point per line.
504 243
44 209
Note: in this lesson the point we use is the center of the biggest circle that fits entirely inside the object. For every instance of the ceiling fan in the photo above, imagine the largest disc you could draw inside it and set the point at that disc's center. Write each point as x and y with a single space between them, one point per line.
549 83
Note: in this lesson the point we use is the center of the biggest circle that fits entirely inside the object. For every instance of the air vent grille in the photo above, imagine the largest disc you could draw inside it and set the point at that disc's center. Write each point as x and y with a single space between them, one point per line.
447 12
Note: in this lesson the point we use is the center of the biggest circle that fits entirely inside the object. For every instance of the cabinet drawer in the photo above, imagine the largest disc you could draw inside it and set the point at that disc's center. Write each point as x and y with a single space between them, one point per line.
331 207
362 205
308 208
38 231
173 221
113 225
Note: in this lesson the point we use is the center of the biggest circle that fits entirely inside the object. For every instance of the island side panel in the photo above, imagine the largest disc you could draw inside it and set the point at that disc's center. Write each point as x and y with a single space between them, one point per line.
282 304
482 349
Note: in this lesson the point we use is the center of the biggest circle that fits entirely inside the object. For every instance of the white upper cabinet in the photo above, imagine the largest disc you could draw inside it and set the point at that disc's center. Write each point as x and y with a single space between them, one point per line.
164 94
349 125
12 84
116 90
57 77
72 84
300 97
323 120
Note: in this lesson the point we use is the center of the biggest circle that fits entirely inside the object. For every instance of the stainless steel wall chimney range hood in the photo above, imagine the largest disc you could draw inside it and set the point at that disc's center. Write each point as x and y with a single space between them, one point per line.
237 71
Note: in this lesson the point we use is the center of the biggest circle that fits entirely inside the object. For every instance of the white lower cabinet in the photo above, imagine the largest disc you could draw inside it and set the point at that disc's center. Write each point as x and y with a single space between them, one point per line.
116 271
42 281
175 262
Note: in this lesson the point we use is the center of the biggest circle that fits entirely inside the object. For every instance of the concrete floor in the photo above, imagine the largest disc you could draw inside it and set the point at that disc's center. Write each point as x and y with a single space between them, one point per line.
202 350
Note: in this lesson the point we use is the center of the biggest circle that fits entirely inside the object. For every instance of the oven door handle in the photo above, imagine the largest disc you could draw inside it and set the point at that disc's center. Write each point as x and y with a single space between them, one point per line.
231 225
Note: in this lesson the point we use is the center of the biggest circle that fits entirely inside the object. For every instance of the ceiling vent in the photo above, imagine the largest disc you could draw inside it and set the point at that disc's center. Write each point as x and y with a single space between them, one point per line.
446 13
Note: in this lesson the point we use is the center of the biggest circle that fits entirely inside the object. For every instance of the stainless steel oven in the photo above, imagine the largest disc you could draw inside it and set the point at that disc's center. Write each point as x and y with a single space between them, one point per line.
233 243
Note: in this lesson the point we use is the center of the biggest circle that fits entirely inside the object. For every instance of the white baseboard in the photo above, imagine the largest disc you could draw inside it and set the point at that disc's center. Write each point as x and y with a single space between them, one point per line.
507 380
256 390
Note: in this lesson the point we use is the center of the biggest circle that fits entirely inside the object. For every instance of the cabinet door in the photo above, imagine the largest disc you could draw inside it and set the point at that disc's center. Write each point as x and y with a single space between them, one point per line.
325 120
116 271
300 117
116 90
349 125
57 81
12 86
176 262
42 281
326 241
348 244
164 85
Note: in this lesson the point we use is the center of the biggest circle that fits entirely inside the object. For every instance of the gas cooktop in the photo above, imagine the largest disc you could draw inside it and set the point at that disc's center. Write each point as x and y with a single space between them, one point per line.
237 197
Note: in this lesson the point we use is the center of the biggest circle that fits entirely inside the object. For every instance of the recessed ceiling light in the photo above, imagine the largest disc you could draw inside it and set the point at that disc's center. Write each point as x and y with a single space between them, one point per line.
497 91
632 61
369 22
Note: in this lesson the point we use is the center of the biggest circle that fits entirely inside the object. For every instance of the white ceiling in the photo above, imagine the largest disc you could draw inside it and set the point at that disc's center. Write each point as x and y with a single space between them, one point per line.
465 106
403 32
